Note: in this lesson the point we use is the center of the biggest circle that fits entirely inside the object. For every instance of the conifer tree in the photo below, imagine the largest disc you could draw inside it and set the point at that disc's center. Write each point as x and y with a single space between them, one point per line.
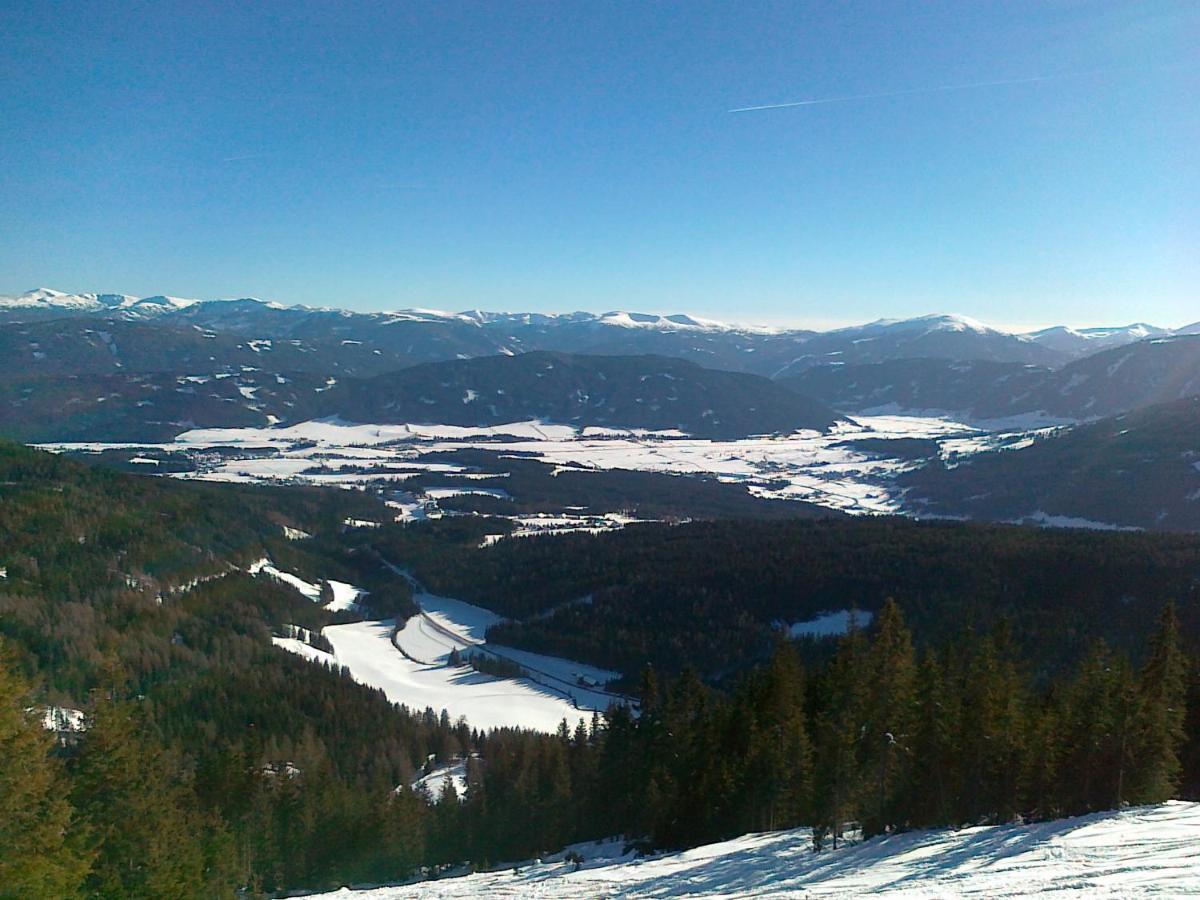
839 732
40 852
149 840
936 755
888 721
1162 693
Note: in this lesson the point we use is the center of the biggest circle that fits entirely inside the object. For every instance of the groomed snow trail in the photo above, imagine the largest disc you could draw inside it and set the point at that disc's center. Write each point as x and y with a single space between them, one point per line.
1149 851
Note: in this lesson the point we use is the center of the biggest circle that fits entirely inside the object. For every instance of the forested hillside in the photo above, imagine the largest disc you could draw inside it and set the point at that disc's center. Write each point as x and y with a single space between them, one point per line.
1139 470
711 594
210 761
212 758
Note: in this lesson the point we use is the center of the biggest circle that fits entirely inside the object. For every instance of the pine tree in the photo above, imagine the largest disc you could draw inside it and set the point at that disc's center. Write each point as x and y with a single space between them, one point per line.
1162 694
936 758
888 721
149 841
40 852
1093 733
839 731
993 733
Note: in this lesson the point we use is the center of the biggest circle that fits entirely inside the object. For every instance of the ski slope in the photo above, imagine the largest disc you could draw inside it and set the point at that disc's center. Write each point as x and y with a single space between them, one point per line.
1151 851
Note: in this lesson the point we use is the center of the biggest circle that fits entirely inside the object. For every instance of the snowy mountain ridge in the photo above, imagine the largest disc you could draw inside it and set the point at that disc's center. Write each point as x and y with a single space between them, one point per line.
1060 337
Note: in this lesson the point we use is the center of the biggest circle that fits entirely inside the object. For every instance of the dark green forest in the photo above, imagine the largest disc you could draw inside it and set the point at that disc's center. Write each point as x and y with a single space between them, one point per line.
1057 678
709 594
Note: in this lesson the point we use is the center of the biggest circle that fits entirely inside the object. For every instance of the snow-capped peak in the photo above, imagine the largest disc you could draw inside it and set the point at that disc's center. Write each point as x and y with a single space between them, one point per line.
1077 341
48 298
925 324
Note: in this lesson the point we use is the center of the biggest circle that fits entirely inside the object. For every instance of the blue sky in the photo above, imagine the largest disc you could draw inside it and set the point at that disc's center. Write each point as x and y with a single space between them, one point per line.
559 156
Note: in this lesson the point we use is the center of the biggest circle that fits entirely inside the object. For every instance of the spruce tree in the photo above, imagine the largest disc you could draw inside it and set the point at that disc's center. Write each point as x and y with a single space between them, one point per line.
40 852
1162 693
149 841
888 721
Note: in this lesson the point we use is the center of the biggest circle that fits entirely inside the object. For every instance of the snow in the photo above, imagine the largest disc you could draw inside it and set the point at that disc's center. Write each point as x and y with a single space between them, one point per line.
345 596
433 781
830 623
63 718
308 589
1142 851
807 465
811 466
445 624
414 670
294 645
920 325
1045 519
365 648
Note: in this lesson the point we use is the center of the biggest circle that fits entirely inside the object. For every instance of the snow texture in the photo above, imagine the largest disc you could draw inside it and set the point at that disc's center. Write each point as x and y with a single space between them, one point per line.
1138 852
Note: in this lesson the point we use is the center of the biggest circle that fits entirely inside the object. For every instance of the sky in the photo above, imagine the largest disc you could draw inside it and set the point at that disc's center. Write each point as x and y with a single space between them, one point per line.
1025 163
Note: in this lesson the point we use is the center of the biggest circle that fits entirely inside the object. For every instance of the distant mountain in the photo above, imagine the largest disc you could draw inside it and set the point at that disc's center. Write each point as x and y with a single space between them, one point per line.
149 406
1083 341
647 392
947 337
651 392
409 337
1148 372
47 302
1137 470
96 346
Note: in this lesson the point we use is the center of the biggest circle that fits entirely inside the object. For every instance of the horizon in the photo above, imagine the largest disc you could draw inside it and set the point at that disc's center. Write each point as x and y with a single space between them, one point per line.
1026 164
766 324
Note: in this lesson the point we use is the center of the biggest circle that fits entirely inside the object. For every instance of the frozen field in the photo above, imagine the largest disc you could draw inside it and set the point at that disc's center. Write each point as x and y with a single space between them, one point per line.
1140 852
807 465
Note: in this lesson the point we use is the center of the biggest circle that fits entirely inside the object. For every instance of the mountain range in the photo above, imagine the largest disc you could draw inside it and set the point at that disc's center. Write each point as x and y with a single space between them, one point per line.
97 367
419 335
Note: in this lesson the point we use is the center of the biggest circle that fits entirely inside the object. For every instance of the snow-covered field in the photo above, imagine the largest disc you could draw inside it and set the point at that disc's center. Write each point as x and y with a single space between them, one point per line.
806 465
415 670
366 649
1138 852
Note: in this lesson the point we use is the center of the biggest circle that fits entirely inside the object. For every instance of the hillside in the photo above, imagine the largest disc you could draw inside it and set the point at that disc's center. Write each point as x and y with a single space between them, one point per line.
647 392
103 346
1140 851
1113 381
713 595
1140 470
654 393
935 337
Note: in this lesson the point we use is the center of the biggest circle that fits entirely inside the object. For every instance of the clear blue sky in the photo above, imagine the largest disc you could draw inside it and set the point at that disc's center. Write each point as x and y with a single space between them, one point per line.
555 156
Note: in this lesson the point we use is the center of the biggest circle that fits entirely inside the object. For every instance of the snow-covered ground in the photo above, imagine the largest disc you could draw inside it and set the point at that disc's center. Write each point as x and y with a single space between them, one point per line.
433 782
366 649
414 669
806 465
1138 852
830 623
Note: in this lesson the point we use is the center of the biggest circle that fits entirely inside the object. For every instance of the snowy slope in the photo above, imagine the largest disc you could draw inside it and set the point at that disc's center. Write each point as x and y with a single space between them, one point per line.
1144 851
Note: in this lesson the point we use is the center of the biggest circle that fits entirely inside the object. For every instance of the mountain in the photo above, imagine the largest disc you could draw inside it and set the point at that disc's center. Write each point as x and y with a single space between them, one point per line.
654 393
1138 470
948 337
42 302
1145 373
94 346
1080 342
152 406
650 392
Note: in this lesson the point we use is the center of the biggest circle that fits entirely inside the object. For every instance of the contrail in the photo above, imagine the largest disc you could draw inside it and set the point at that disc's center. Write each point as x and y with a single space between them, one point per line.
906 93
